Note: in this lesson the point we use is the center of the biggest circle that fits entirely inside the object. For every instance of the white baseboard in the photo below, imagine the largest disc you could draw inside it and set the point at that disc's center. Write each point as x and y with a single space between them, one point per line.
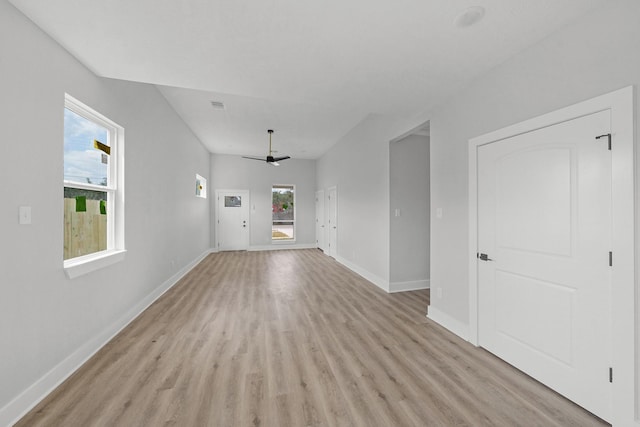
282 246
25 401
413 285
373 278
448 322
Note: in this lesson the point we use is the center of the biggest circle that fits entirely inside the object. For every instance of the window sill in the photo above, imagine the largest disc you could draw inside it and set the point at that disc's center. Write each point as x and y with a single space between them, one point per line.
80 266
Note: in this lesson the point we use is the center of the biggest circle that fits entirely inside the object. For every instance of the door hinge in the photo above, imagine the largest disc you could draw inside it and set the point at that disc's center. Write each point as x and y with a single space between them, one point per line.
610 375
610 259
608 135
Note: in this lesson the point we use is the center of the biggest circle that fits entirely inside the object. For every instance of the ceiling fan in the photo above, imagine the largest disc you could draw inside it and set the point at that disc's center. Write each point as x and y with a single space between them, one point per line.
269 159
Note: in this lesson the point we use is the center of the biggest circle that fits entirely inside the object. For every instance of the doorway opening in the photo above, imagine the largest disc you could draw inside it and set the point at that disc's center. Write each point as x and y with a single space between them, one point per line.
409 198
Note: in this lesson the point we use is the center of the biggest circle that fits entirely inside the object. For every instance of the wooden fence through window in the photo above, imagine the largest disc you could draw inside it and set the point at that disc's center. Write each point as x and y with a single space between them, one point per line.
84 232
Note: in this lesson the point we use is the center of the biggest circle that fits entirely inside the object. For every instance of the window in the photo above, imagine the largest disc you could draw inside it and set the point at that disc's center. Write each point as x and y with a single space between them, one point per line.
93 188
232 201
283 212
201 186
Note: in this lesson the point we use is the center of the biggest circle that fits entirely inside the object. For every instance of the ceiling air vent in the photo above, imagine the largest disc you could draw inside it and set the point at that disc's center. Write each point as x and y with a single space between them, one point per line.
217 105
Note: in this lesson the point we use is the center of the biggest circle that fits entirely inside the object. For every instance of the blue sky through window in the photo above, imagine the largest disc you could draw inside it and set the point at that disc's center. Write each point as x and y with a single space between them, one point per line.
82 162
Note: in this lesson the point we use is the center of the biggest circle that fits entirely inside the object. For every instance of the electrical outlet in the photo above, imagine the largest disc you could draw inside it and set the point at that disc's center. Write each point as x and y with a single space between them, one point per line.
439 292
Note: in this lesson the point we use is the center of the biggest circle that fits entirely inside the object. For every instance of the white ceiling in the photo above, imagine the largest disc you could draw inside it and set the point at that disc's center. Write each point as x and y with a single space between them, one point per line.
309 70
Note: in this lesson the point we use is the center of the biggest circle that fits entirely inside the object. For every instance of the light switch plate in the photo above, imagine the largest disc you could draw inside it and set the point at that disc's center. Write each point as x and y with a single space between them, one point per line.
25 215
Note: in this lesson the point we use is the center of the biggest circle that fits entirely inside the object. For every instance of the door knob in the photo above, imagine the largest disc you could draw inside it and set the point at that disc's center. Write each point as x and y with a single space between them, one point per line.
484 257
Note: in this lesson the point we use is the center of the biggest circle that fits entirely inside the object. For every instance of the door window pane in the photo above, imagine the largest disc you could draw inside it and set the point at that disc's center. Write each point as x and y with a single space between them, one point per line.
232 201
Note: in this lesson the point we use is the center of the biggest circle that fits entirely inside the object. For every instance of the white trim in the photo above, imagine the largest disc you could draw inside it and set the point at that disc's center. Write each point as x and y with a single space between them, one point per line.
115 189
373 278
79 266
29 398
420 129
203 184
91 187
448 322
320 229
621 104
413 285
333 251
283 241
281 246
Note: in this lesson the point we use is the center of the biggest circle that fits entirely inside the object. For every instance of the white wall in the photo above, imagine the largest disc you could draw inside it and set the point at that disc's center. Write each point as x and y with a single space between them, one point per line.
595 55
48 322
359 166
409 193
235 173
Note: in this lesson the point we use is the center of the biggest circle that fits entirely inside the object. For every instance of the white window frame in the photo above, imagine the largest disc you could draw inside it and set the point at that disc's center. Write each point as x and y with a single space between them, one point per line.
295 215
115 251
203 184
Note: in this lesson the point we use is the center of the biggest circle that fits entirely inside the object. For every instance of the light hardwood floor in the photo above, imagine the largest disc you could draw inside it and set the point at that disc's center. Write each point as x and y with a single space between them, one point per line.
292 338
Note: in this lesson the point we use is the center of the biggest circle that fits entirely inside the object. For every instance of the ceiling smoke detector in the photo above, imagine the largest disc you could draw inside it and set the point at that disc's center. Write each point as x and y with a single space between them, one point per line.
470 16
217 105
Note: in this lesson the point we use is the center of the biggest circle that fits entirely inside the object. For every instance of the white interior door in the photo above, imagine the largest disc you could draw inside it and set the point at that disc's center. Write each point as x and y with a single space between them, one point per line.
232 226
320 225
332 221
544 231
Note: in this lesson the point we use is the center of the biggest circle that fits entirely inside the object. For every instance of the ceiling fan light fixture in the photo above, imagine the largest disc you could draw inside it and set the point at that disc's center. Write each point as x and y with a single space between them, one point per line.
269 159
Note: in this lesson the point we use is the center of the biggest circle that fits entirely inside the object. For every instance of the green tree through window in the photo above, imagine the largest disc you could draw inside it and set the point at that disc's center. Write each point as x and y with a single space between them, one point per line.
283 212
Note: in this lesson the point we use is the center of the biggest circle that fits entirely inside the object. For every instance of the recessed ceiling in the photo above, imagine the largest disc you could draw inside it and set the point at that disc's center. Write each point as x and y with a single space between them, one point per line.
309 70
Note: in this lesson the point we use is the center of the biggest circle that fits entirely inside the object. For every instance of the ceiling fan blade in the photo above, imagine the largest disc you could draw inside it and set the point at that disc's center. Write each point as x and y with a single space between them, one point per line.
269 159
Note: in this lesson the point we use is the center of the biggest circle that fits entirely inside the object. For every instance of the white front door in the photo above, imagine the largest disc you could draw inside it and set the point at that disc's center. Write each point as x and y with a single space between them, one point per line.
320 226
232 225
544 236
332 221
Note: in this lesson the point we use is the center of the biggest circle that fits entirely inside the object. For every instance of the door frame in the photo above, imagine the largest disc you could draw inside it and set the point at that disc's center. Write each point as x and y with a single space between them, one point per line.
333 252
621 105
320 228
217 215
